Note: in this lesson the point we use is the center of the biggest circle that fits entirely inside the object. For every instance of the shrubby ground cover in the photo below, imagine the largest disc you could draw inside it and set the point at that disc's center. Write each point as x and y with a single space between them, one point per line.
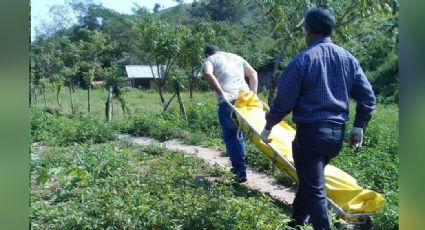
56 129
375 165
117 185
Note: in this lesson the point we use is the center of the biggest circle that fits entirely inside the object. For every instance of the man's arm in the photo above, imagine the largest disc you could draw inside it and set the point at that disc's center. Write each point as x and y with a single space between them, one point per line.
287 94
364 96
252 76
212 79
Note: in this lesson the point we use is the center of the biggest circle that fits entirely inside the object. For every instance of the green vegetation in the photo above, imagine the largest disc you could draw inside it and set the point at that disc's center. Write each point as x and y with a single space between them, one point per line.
266 33
87 180
122 186
61 130
375 165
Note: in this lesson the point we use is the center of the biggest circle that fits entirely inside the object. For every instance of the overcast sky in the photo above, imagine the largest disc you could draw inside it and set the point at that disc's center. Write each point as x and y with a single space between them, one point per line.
40 8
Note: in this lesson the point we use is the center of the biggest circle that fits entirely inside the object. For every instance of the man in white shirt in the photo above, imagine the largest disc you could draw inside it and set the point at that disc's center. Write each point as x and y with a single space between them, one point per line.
225 73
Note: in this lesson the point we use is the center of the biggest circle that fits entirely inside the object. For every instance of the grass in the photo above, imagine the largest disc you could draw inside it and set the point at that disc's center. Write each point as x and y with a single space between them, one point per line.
139 101
375 165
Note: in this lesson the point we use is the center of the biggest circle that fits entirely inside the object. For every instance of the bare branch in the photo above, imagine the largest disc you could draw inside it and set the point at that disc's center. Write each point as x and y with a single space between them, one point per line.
348 10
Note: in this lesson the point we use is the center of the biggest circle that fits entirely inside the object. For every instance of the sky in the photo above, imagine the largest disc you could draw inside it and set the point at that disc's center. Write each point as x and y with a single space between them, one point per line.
40 8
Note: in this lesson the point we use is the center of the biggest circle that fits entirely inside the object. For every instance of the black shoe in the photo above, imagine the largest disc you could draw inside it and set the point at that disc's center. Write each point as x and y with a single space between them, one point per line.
295 225
240 179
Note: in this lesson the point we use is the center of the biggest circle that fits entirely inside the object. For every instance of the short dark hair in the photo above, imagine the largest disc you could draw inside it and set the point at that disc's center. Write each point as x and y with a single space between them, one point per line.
211 49
320 20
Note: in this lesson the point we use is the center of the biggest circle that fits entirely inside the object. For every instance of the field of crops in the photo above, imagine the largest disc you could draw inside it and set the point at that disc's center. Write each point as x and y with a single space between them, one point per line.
84 178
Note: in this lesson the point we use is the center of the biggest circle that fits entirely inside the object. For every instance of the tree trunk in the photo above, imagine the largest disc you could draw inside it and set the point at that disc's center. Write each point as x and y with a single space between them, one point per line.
70 97
182 109
169 102
272 92
30 92
124 107
34 92
109 105
58 90
88 98
44 96
191 81
273 85
160 91
158 82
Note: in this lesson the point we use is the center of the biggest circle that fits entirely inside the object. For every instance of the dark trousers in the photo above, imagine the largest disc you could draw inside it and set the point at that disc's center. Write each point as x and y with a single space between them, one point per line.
315 144
233 140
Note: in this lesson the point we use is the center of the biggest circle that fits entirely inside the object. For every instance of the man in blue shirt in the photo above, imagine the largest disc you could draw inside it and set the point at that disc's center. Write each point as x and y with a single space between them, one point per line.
316 86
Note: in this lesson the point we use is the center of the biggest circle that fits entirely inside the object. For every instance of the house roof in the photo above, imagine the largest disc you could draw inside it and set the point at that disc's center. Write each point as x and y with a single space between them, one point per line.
142 71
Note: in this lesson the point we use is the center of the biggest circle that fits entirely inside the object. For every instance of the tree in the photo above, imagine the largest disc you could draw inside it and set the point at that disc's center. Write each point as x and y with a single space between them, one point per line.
55 59
375 43
82 9
286 19
191 55
93 47
67 57
156 8
158 45
71 56
178 79
37 69
219 10
60 19
114 84
44 84
49 64
33 88
140 10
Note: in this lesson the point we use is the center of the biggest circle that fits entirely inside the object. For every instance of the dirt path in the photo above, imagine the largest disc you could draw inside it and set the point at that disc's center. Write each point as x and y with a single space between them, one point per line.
256 180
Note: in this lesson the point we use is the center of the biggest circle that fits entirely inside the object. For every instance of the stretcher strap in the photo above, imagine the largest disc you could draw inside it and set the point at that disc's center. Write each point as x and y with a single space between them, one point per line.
233 116
239 133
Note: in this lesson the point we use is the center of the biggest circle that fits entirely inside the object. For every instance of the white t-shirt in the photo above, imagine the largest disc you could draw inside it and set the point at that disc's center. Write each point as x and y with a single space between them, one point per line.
229 70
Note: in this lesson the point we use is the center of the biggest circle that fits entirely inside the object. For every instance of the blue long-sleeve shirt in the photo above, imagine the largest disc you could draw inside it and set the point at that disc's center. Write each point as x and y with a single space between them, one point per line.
316 86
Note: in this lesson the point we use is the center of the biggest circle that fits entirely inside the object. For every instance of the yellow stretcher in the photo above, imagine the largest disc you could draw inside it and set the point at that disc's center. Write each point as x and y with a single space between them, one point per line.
349 200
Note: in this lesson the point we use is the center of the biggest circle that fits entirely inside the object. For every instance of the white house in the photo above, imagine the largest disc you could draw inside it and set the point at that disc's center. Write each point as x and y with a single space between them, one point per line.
142 76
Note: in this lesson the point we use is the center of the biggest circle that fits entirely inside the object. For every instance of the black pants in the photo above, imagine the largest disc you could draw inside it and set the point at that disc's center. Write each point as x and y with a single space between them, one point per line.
315 144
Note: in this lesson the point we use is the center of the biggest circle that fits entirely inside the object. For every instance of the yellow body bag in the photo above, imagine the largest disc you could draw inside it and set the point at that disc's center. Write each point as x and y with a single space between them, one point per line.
341 188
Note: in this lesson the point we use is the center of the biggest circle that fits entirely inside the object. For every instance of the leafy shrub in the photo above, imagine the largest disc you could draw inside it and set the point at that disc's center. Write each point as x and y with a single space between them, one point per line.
118 187
375 165
385 79
256 158
55 129
196 138
162 126
201 118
